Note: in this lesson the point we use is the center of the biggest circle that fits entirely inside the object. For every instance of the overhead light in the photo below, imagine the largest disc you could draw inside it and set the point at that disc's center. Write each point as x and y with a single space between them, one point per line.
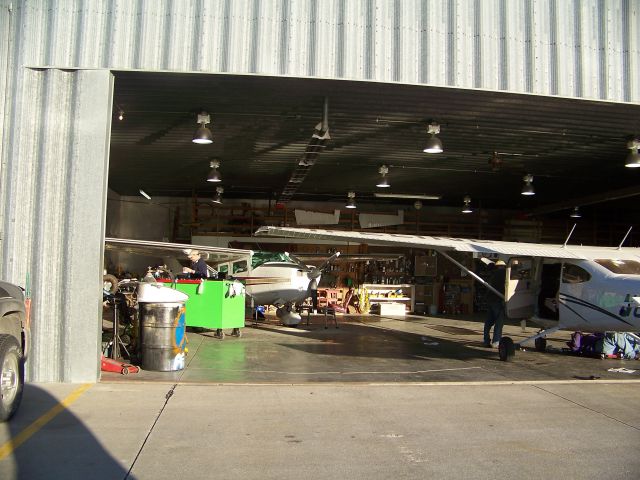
214 174
218 196
417 204
120 114
144 194
351 202
467 205
434 145
527 188
633 159
575 213
383 182
203 135
407 195
495 161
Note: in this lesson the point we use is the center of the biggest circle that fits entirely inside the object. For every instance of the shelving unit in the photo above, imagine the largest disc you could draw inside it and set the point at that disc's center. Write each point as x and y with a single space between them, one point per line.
381 294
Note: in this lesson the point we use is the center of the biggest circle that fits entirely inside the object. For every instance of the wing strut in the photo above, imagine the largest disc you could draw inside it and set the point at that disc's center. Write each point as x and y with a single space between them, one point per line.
625 237
474 275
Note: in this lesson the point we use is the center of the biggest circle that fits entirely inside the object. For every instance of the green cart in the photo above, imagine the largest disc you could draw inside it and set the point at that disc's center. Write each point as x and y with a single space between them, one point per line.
215 305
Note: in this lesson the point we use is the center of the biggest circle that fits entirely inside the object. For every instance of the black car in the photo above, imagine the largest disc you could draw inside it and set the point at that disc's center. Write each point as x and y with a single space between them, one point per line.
13 346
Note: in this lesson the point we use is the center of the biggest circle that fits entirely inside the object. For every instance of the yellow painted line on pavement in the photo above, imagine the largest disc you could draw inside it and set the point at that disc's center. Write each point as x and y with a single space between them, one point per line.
24 435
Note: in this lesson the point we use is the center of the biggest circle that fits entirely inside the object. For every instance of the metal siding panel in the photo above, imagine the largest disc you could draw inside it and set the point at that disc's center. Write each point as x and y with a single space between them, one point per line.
437 43
463 24
614 61
352 48
54 215
298 39
516 45
383 26
378 40
566 48
410 37
634 51
491 61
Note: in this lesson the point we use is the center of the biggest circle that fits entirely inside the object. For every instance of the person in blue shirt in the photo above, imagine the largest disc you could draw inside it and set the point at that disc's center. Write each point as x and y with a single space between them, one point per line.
198 267
495 305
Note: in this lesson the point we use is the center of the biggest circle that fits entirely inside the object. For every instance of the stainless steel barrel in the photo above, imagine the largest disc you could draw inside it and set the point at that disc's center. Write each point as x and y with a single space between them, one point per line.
162 336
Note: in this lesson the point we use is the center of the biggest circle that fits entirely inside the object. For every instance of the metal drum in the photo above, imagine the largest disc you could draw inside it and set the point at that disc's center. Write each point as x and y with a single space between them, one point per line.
162 336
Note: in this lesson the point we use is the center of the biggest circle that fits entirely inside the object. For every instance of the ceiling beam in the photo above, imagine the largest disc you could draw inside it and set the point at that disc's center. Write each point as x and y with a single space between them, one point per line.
588 200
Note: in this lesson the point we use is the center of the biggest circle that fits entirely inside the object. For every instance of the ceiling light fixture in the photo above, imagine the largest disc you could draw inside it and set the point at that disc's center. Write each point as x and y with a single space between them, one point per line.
120 114
575 213
351 202
467 205
144 194
417 204
527 188
407 195
218 196
214 174
434 145
203 135
495 161
633 159
383 182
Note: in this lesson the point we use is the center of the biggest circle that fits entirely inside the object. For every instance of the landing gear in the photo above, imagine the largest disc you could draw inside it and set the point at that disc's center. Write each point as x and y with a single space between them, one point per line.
236 332
220 334
506 349
541 344
11 376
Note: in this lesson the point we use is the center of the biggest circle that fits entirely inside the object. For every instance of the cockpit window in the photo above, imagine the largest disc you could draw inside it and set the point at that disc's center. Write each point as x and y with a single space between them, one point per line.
263 257
621 267
574 274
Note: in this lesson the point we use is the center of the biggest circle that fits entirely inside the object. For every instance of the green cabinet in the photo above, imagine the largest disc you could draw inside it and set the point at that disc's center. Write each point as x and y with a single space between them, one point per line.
214 305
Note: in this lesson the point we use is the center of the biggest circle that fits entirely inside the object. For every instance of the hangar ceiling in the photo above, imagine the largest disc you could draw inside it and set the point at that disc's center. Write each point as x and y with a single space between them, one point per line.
574 149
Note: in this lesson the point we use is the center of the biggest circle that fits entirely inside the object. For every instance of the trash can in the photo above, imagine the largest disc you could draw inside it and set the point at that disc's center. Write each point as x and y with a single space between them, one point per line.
162 327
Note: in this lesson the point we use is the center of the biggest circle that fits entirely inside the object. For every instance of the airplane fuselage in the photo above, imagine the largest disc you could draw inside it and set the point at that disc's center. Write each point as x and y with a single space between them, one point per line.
278 283
603 302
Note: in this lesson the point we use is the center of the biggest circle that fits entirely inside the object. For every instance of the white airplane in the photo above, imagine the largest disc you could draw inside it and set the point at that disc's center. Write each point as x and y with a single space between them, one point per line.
279 279
270 278
559 287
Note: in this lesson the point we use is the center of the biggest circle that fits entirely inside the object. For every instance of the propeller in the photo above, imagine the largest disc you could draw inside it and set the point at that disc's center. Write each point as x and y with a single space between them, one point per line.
315 272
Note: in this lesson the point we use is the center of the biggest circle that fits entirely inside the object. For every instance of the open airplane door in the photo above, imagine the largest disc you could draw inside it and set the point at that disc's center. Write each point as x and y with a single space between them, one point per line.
522 280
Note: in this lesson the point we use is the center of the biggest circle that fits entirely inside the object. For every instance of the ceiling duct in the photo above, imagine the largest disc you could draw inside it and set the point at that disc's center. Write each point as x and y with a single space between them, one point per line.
316 145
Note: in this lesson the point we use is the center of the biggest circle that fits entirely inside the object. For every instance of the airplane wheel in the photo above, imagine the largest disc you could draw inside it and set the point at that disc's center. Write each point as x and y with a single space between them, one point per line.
220 334
541 344
506 349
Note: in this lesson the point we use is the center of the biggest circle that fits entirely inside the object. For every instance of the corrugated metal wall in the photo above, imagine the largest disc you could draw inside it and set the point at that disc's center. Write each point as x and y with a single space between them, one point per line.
54 126
53 210
574 48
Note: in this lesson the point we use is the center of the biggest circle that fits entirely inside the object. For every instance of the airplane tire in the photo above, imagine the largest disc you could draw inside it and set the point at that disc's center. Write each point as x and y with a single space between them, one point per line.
541 344
506 349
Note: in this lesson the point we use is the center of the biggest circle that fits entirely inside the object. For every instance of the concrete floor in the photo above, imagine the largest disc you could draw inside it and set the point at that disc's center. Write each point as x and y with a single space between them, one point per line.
379 398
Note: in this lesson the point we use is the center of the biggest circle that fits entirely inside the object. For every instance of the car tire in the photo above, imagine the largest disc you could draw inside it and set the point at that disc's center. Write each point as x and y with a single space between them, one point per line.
11 376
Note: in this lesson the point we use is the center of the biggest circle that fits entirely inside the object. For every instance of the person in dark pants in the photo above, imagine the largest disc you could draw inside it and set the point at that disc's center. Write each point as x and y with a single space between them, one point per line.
313 293
495 305
198 265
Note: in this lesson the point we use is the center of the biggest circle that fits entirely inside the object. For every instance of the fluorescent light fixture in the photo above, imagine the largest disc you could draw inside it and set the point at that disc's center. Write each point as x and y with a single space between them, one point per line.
575 213
218 196
203 135
351 202
214 174
434 145
383 182
144 194
467 205
633 159
527 188
407 195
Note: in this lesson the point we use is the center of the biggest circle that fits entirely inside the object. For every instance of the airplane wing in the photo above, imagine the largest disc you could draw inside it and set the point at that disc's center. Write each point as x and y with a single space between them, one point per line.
178 250
484 247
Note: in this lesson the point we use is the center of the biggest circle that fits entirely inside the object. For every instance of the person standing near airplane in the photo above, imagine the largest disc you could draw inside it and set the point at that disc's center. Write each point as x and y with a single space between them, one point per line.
198 265
495 305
